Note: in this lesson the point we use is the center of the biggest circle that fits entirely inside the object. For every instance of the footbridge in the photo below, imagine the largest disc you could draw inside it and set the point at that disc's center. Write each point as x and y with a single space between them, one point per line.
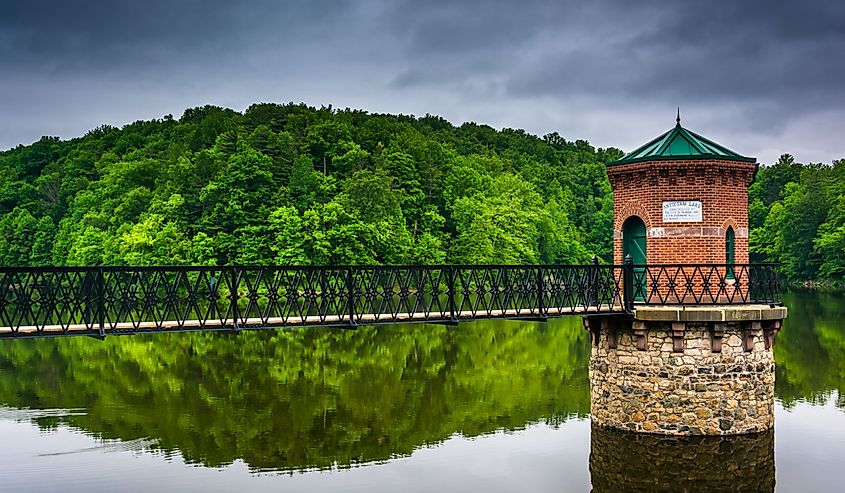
102 301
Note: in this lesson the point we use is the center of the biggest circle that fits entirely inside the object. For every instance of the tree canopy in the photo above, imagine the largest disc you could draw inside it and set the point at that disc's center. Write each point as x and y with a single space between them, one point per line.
797 218
293 184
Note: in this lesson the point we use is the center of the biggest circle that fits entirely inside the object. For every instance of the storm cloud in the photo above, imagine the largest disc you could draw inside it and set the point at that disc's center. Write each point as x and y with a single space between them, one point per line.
762 77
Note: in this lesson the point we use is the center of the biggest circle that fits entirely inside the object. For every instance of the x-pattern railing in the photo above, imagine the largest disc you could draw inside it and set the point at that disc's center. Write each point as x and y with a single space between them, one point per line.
706 284
99 301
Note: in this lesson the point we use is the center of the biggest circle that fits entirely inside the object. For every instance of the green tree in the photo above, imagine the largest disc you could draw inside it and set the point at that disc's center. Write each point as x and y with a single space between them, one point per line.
241 195
499 227
17 234
154 241
308 187
829 245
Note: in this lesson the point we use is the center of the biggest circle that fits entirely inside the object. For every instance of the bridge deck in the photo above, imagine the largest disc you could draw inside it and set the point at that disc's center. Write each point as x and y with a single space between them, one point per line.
294 321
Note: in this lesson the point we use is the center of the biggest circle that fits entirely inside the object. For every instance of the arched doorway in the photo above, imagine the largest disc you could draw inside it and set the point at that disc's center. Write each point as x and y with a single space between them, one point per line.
634 244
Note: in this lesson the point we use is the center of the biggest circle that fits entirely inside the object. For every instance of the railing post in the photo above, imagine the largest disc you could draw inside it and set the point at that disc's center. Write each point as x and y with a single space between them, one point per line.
234 282
592 288
628 283
540 288
101 301
451 289
350 291
752 277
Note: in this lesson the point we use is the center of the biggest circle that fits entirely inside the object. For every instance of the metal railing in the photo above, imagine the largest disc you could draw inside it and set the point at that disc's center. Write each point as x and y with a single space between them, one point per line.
704 284
100 301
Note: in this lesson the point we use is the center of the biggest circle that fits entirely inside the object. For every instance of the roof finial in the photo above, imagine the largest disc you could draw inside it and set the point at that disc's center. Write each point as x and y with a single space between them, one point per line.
678 119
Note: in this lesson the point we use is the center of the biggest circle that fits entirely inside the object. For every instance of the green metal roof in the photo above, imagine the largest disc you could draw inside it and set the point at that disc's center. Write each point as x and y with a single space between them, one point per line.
680 143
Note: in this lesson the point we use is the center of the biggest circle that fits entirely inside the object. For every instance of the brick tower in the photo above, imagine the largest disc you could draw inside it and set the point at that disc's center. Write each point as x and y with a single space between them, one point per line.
694 356
681 198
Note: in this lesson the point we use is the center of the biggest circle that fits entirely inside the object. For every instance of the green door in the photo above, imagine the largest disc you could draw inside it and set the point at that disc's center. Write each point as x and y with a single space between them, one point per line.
633 244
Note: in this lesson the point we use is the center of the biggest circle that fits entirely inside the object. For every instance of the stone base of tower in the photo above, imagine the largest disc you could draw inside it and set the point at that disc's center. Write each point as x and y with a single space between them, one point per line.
677 371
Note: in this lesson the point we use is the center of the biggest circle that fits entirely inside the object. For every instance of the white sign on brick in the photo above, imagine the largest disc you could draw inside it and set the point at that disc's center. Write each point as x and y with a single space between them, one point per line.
680 211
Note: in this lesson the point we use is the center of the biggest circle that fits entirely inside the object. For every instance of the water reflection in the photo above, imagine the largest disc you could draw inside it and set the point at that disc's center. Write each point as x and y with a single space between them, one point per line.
297 400
624 462
810 351
304 399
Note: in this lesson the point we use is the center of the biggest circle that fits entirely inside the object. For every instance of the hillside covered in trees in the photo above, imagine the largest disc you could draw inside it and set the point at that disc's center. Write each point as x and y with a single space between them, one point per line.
797 218
292 184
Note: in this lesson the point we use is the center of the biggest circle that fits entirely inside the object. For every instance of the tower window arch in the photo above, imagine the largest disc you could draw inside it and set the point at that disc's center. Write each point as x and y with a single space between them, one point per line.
730 247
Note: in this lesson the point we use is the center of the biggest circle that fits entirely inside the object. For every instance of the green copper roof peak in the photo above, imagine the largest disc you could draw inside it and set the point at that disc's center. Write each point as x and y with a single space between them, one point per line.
680 143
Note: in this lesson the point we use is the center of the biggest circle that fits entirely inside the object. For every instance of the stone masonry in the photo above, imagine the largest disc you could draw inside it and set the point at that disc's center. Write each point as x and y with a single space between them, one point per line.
682 378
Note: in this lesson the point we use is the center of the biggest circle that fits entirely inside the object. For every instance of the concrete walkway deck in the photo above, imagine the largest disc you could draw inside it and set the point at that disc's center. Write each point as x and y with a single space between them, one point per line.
714 313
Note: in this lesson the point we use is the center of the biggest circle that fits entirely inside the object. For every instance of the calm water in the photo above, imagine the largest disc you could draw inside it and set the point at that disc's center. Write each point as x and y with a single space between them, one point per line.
488 406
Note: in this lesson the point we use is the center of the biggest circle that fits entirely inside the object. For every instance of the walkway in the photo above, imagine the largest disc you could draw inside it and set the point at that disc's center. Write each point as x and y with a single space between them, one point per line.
100 301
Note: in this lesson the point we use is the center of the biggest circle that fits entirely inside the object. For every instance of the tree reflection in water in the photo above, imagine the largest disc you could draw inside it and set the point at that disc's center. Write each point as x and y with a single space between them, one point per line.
304 399
291 400
810 350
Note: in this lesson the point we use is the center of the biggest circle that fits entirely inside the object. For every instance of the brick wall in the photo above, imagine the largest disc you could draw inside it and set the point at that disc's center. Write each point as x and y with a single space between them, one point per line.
722 187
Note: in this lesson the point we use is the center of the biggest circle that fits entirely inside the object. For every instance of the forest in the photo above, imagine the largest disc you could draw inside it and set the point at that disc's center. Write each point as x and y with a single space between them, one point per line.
797 218
292 184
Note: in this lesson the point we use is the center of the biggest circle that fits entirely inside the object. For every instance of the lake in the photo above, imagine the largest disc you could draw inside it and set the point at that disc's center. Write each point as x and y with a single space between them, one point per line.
484 406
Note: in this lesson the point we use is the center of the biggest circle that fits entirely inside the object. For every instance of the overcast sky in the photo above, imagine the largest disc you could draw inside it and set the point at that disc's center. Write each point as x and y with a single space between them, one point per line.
760 77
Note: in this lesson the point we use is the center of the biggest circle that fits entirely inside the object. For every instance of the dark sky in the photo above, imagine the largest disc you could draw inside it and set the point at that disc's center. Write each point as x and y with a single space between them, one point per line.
761 77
